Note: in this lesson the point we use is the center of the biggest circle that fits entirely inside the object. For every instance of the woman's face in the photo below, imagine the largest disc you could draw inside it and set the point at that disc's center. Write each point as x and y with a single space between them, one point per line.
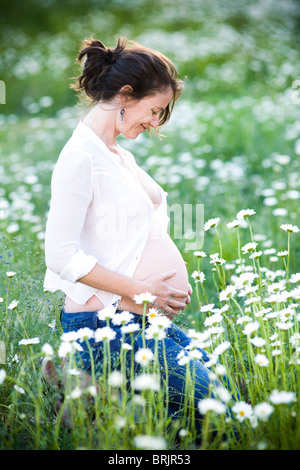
142 114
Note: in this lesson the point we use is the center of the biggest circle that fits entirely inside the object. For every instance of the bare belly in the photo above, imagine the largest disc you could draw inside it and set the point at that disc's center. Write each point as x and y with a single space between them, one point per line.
159 255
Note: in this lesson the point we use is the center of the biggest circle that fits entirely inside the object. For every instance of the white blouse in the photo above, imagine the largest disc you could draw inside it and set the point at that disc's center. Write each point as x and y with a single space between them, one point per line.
98 214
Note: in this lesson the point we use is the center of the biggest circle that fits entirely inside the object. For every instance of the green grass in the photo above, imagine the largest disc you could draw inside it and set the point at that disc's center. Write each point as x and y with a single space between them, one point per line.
232 144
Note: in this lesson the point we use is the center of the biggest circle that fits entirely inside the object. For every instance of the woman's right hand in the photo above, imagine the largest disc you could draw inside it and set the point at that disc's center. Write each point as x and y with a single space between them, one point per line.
172 301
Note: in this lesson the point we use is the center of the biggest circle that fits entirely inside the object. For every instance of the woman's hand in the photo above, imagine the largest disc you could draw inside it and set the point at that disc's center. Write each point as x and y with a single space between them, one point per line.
169 299
190 291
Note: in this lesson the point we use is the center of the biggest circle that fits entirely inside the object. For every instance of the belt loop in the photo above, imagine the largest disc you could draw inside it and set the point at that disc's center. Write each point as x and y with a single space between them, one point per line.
61 313
95 320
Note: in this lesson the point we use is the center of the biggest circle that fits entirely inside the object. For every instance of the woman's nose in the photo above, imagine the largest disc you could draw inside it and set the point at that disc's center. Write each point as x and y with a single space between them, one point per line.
154 121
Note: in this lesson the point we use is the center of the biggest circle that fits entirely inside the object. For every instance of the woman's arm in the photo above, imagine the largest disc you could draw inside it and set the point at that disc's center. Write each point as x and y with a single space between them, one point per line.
104 279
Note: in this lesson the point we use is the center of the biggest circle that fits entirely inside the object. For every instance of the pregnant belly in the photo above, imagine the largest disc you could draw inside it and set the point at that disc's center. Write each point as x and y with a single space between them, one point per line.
162 255
159 255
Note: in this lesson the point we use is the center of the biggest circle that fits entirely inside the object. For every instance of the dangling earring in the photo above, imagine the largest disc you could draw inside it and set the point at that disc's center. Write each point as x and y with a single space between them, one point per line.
122 112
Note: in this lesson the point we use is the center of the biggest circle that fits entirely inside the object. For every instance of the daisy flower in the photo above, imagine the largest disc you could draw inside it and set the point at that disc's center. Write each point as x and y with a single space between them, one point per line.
150 442
200 254
235 223
104 334
162 322
84 334
221 348
258 342
283 397
106 313
207 308
10 274
211 223
251 327
145 297
210 404
283 253
255 254
223 393
245 213
261 360
48 350
29 341
215 259
289 228
249 247
295 278
155 332
144 356
19 389
211 320
2 376
75 394
116 379
130 328
263 410
242 410
198 276
67 347
152 313
227 293
122 318
13 305
146 382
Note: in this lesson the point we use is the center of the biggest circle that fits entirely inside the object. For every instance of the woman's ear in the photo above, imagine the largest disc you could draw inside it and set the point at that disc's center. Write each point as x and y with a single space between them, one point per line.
125 94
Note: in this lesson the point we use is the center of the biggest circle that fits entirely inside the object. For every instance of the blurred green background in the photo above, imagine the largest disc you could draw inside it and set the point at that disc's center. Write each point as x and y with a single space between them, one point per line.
233 141
223 47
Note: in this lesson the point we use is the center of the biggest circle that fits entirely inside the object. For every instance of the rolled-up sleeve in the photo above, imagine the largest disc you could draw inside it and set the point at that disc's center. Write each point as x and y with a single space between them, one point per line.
71 195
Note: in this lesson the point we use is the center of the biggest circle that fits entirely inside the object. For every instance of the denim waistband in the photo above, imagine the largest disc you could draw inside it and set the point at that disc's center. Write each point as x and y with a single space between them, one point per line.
74 321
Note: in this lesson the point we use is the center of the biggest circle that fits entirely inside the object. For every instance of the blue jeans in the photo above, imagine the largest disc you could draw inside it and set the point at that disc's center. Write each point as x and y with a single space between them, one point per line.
168 349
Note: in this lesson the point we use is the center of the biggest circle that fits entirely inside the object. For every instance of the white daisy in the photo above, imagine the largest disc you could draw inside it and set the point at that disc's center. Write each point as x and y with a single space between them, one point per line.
150 442
145 297
116 379
146 382
263 410
211 223
106 313
210 404
104 334
261 360
283 397
10 274
144 356
27 341
249 247
235 223
289 228
244 213
199 254
242 410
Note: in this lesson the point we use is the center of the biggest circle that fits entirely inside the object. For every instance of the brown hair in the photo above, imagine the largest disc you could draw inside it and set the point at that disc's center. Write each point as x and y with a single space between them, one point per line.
106 71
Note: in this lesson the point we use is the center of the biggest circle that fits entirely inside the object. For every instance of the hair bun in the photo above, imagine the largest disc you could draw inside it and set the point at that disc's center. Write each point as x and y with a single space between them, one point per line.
110 55
106 71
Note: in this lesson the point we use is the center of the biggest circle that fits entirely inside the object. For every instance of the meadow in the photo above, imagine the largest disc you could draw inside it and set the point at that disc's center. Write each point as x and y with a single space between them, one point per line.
233 146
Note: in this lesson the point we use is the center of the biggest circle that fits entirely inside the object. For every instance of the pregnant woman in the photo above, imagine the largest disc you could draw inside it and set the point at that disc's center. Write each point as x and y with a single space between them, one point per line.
106 237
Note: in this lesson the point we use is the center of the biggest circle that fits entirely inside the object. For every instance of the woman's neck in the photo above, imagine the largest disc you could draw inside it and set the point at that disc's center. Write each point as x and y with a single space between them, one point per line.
102 120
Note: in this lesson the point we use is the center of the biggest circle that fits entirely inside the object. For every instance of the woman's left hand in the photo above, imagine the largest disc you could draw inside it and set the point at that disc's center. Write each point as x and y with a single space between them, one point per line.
190 291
